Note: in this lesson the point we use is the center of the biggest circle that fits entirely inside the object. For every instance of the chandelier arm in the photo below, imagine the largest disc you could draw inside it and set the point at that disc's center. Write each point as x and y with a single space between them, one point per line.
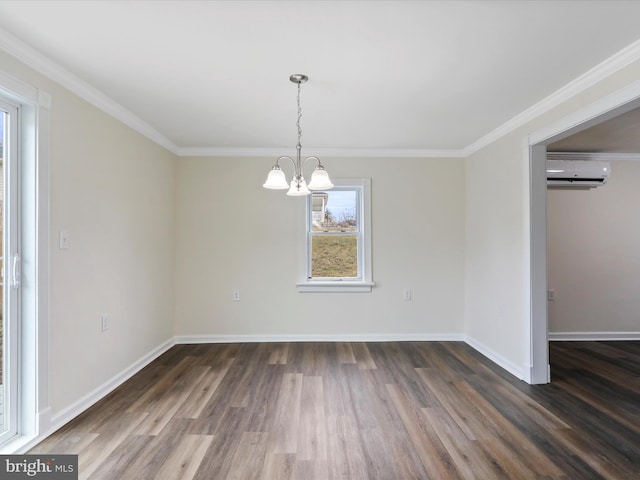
297 168
293 163
313 158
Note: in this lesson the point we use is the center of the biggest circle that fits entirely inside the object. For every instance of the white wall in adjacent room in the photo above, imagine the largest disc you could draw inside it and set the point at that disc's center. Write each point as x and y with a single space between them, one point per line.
593 256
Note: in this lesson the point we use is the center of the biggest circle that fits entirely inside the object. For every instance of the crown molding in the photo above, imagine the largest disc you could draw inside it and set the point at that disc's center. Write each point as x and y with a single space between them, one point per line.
34 59
602 156
319 152
608 67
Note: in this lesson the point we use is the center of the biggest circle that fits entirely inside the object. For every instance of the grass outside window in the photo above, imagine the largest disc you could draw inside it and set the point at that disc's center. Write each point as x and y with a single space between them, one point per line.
334 256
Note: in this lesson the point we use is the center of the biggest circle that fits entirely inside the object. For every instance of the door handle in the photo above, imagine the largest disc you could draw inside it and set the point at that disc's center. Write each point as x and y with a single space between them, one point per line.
15 271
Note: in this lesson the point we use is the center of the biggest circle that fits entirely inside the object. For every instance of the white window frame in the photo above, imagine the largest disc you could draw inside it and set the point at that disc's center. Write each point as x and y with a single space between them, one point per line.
363 283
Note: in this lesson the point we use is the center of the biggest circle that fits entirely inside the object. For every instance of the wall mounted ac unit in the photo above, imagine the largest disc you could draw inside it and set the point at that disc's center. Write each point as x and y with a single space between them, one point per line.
577 173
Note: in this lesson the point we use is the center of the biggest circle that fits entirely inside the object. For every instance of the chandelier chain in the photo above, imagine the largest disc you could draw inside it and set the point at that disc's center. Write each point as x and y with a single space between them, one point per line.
299 116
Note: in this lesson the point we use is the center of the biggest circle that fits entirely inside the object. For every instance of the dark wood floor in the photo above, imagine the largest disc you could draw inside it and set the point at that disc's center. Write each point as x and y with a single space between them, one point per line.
363 411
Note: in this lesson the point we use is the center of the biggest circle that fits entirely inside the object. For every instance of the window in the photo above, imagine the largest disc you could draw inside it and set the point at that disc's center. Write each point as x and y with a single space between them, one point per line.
337 239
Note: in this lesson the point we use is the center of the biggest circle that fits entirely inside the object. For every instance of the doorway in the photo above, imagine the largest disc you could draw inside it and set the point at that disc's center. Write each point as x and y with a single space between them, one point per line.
535 156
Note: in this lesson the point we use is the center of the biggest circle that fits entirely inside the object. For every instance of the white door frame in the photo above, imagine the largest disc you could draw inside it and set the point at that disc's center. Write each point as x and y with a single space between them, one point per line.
535 228
33 156
11 254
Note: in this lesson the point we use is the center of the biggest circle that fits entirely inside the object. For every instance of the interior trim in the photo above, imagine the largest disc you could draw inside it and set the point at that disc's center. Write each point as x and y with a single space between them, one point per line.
362 337
592 336
602 156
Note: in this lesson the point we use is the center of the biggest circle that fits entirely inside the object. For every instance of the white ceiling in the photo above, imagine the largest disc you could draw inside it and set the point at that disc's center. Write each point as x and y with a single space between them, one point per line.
621 134
392 75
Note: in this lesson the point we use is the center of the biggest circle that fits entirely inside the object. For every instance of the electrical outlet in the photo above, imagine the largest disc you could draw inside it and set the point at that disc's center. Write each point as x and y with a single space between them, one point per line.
236 295
551 295
406 295
104 322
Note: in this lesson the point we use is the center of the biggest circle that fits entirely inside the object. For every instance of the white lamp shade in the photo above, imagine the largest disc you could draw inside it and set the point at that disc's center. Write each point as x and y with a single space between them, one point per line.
276 180
294 191
320 180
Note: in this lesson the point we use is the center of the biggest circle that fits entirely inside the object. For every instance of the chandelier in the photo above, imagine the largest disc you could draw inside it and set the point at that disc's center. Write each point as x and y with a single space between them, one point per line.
276 179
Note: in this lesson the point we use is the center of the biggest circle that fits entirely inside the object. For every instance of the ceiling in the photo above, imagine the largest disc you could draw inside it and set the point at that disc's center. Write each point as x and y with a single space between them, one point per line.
621 134
427 76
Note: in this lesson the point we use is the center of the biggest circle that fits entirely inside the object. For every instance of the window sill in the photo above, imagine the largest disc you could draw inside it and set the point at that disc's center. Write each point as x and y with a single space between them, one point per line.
335 287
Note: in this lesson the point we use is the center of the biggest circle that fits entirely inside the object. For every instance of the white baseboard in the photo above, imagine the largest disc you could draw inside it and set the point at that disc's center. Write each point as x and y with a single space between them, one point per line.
592 336
398 337
512 368
51 423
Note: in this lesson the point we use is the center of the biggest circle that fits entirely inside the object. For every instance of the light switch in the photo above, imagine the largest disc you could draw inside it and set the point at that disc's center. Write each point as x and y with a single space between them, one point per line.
64 239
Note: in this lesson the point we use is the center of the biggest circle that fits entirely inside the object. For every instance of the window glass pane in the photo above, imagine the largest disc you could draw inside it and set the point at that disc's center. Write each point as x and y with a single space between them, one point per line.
334 211
334 256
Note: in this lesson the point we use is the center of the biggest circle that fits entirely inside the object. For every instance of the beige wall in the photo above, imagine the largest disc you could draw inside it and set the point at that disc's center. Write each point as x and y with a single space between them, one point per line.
593 259
113 191
494 266
233 234
496 308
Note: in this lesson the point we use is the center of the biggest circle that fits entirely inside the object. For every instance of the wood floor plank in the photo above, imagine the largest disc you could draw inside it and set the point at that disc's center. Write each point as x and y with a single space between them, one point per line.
344 447
312 434
279 354
465 415
172 400
601 463
202 392
96 452
264 402
184 461
470 460
122 460
509 435
386 443
363 356
279 466
345 353
284 432
601 368
65 443
155 394
311 469
317 358
218 406
155 451
249 457
432 453
218 460
392 360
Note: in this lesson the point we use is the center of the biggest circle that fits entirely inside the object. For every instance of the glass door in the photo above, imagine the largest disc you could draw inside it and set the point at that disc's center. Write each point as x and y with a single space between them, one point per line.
9 270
